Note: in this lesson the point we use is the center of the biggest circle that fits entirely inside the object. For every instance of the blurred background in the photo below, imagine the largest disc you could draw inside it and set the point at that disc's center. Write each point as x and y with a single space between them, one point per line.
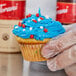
48 7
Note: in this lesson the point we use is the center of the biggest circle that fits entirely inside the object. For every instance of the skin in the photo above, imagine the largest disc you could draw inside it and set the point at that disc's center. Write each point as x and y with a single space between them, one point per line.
71 70
61 51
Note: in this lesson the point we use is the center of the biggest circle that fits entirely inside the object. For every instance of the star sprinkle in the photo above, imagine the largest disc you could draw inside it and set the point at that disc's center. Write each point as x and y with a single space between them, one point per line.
26 16
41 27
41 18
37 15
16 27
34 21
29 15
45 30
23 26
30 28
20 24
31 36
47 16
23 29
36 52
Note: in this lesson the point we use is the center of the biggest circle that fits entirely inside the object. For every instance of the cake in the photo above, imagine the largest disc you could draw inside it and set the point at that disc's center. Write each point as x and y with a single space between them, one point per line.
33 32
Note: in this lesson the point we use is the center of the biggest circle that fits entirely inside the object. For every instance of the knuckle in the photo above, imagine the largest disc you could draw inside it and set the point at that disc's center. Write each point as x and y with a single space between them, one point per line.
60 62
74 51
59 45
74 32
56 45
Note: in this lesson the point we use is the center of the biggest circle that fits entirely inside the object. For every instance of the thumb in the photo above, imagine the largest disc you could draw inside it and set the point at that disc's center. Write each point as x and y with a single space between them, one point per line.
71 70
63 60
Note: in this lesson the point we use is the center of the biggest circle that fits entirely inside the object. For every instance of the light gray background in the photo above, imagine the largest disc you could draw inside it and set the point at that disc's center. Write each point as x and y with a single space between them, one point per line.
48 7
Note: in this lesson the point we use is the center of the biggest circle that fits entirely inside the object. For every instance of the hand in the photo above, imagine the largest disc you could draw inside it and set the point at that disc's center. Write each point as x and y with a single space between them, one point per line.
71 70
62 49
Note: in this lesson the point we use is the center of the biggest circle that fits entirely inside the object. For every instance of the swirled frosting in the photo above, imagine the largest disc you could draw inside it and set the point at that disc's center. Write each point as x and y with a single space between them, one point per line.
38 27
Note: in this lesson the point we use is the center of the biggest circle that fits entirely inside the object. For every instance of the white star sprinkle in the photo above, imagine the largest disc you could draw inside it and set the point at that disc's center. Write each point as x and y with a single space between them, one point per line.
16 27
47 16
39 19
20 21
30 28
41 27
23 29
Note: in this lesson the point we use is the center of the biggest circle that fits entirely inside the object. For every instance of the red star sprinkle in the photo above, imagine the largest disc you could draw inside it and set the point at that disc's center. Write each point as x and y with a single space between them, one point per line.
23 26
20 24
26 16
37 15
34 21
45 30
29 15
41 18
31 36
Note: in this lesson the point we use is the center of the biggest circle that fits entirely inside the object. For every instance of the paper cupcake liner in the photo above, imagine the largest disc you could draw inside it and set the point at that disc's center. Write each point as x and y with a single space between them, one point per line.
32 52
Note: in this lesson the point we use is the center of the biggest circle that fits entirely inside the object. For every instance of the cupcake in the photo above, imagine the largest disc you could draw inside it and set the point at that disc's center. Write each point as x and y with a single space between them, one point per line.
33 32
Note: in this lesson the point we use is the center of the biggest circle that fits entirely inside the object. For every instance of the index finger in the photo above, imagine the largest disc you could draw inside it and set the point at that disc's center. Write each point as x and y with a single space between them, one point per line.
56 46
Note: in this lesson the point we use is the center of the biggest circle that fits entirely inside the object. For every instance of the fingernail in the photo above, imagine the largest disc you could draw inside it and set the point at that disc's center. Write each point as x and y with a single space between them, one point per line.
47 53
52 65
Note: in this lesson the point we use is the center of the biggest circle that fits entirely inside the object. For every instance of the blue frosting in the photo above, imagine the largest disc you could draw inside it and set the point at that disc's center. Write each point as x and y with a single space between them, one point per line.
37 29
